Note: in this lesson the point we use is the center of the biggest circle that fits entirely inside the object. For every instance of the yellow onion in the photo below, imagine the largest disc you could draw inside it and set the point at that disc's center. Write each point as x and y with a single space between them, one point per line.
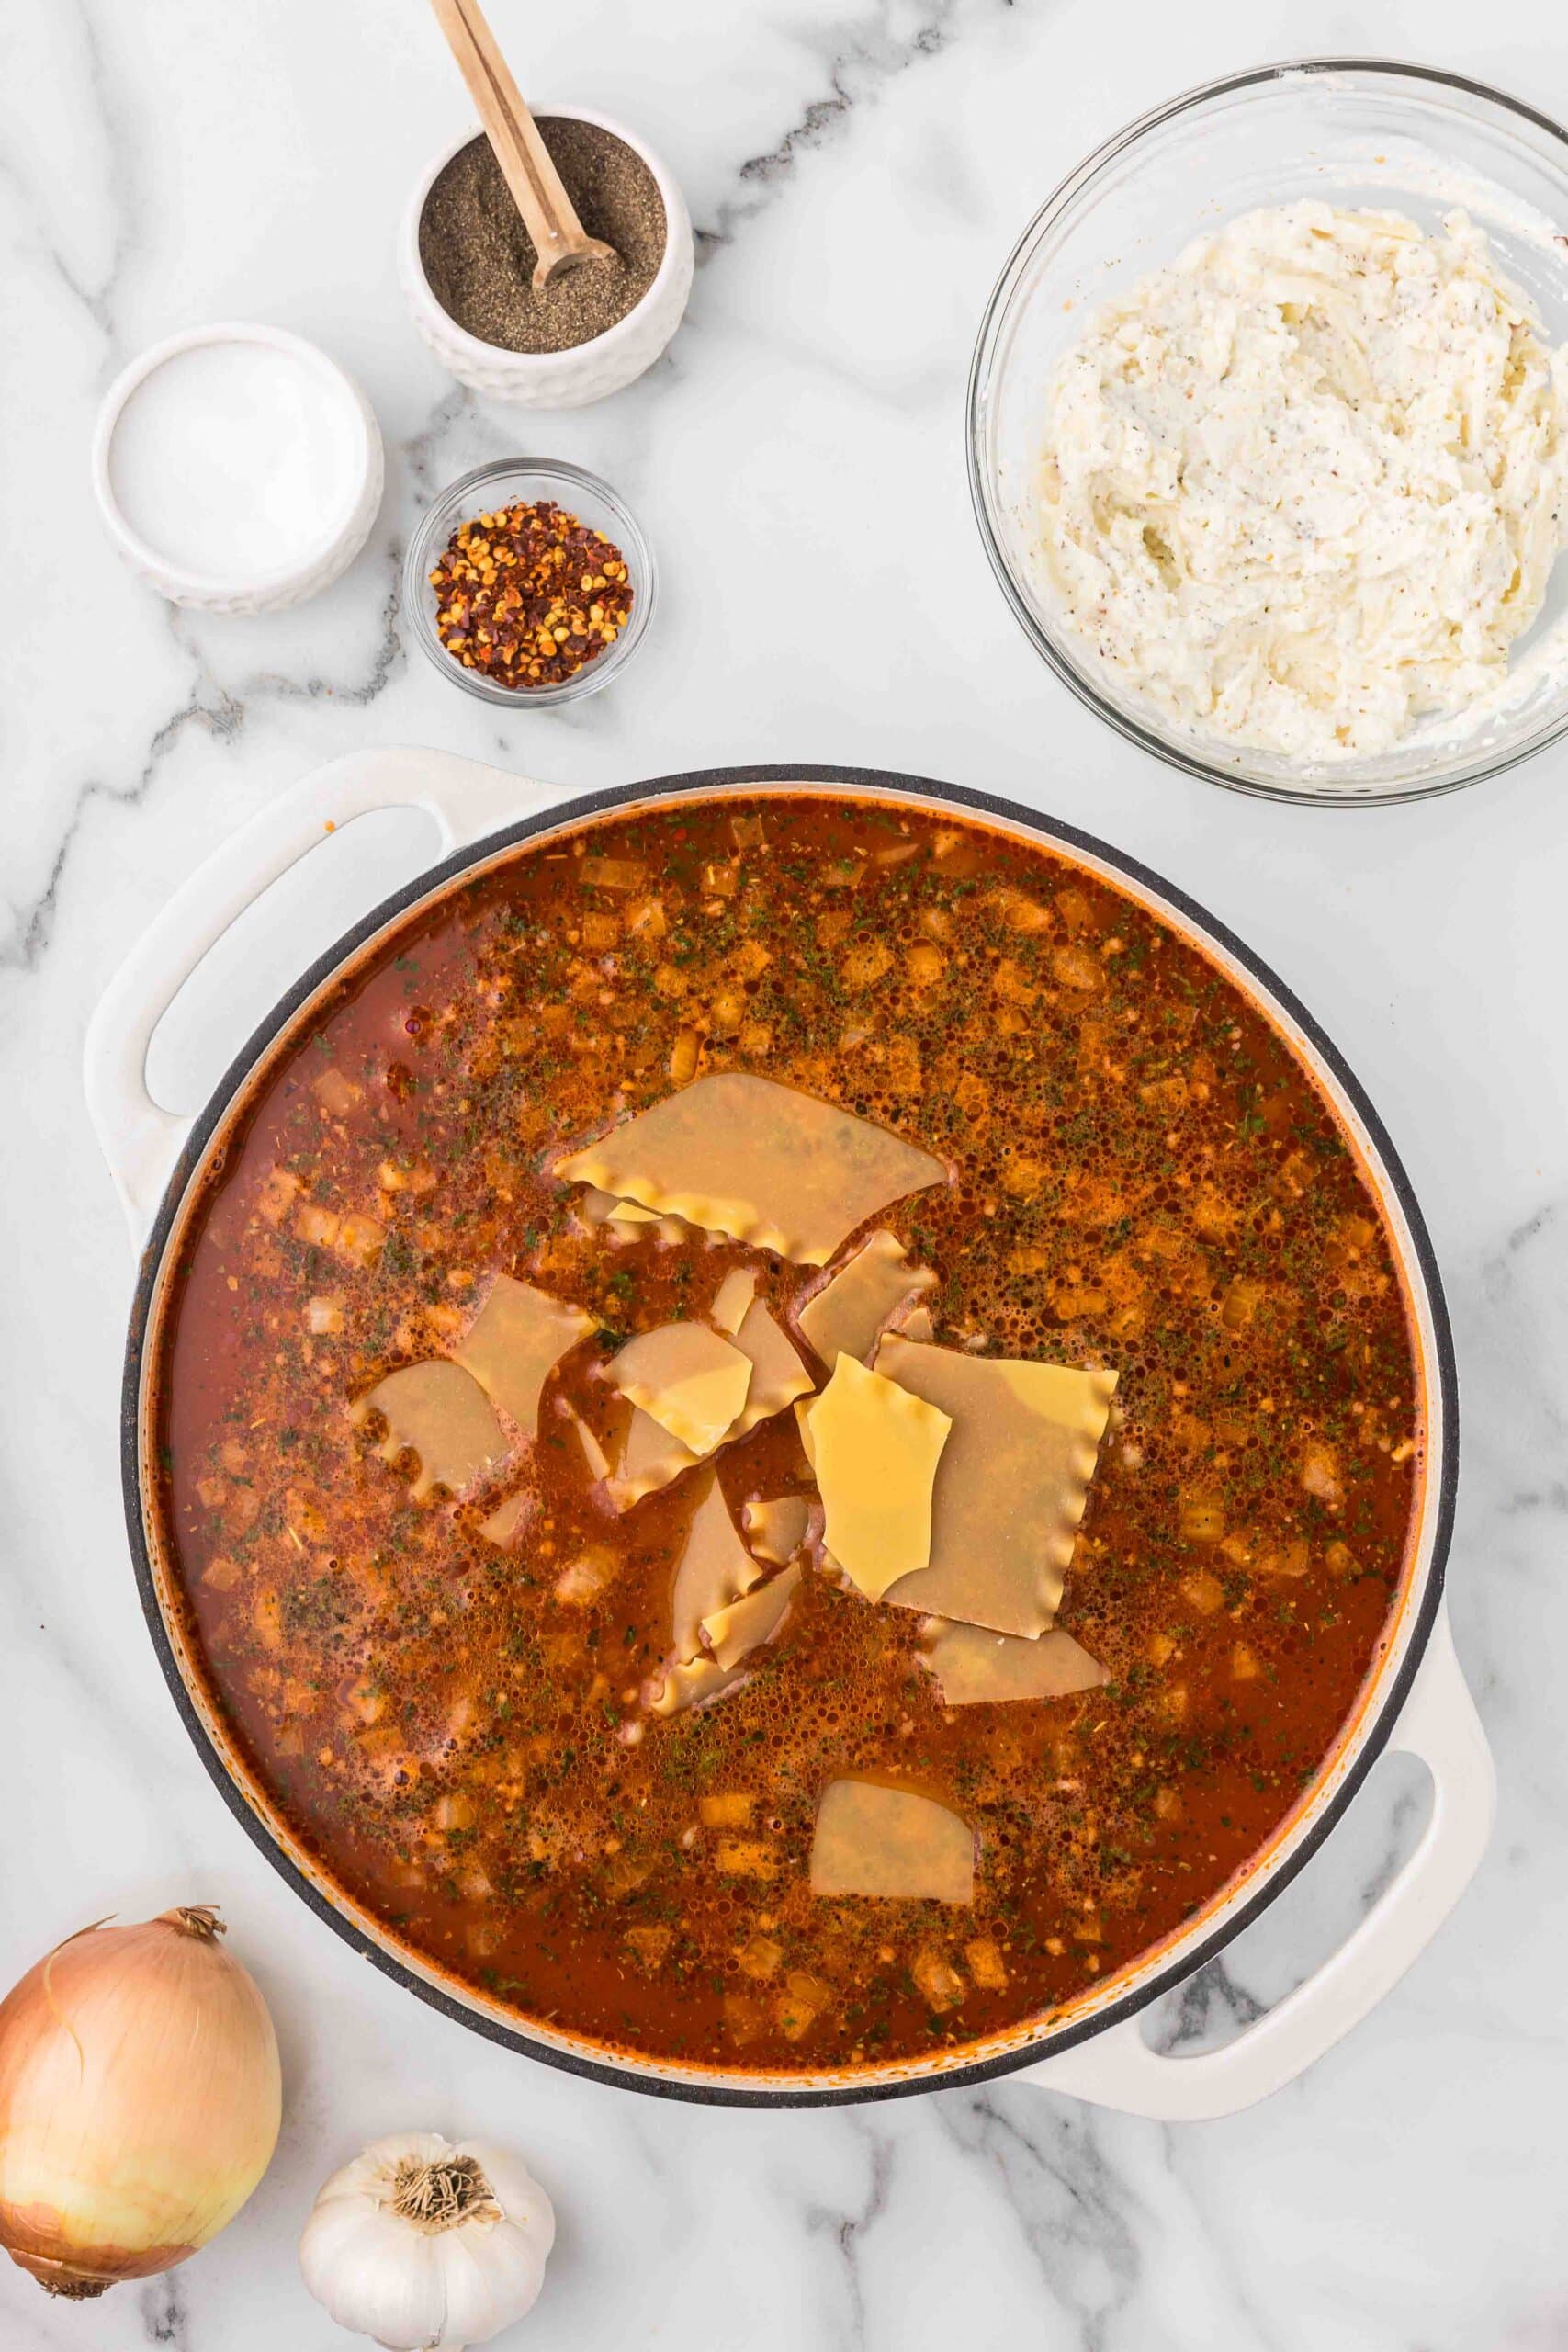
139 2101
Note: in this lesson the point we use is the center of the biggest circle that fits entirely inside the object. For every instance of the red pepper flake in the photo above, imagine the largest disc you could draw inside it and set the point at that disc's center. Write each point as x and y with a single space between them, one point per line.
529 594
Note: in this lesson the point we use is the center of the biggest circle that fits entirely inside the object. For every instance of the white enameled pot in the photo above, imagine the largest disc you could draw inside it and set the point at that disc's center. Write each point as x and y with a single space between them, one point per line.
589 371
1416 1701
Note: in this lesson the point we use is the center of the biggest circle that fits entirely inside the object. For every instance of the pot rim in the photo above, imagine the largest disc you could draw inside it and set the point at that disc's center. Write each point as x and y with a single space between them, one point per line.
1368 1730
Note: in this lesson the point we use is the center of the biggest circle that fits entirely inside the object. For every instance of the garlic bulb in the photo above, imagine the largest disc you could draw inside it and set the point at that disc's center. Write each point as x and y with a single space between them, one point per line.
423 2241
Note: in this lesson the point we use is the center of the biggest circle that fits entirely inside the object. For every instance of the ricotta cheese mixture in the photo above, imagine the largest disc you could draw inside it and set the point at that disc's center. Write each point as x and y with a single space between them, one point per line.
1303 488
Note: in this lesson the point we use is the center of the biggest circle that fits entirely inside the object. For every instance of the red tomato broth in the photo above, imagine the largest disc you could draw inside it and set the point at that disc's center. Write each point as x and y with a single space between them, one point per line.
1144 1176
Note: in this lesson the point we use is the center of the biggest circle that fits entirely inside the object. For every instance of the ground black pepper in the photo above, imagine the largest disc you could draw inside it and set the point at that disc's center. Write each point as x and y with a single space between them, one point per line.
479 258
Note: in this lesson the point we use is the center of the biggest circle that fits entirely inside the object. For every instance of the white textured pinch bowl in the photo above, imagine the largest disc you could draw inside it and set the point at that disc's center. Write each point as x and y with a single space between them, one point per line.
589 371
349 512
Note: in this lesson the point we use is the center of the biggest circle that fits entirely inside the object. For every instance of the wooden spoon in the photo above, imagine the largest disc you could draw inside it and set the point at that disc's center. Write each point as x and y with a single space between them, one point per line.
549 216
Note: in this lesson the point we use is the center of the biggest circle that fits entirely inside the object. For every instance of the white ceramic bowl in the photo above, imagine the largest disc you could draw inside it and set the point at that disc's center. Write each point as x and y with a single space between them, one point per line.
350 511
590 371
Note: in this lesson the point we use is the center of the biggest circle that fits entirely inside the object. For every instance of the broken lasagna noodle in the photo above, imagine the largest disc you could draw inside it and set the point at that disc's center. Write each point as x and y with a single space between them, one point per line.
789 1431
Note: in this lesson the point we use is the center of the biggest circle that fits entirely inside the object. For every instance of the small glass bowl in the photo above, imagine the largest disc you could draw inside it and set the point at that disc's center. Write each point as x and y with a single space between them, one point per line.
506 482
1352 131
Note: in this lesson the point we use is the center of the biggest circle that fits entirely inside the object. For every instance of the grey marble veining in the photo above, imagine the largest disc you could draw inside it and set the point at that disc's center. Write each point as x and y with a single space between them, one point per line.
857 171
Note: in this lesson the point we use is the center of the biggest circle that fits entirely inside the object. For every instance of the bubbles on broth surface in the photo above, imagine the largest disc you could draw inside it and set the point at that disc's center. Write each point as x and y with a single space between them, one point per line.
1067 1234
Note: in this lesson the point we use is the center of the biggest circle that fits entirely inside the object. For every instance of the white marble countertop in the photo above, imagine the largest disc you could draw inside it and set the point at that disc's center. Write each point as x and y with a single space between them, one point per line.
857 170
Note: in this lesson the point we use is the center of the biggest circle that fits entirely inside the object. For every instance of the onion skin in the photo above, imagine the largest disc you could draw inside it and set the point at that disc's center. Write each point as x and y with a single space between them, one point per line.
139 2101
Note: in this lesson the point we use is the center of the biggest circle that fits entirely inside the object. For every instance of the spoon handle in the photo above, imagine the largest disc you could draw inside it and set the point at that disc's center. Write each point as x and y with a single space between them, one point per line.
549 214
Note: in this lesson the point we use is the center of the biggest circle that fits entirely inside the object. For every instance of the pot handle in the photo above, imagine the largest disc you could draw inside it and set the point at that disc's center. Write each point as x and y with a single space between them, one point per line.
1439 1725
140 1140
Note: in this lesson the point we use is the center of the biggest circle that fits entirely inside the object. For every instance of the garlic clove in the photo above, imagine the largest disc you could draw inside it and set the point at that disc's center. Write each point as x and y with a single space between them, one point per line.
483 2290
492 2274
374 2274
517 2192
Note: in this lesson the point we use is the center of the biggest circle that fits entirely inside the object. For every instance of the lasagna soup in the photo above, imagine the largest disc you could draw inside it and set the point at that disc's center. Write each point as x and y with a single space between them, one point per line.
787 1432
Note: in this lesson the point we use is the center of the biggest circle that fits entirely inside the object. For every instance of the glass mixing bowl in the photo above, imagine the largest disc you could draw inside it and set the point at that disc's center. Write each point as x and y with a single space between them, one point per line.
1352 131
